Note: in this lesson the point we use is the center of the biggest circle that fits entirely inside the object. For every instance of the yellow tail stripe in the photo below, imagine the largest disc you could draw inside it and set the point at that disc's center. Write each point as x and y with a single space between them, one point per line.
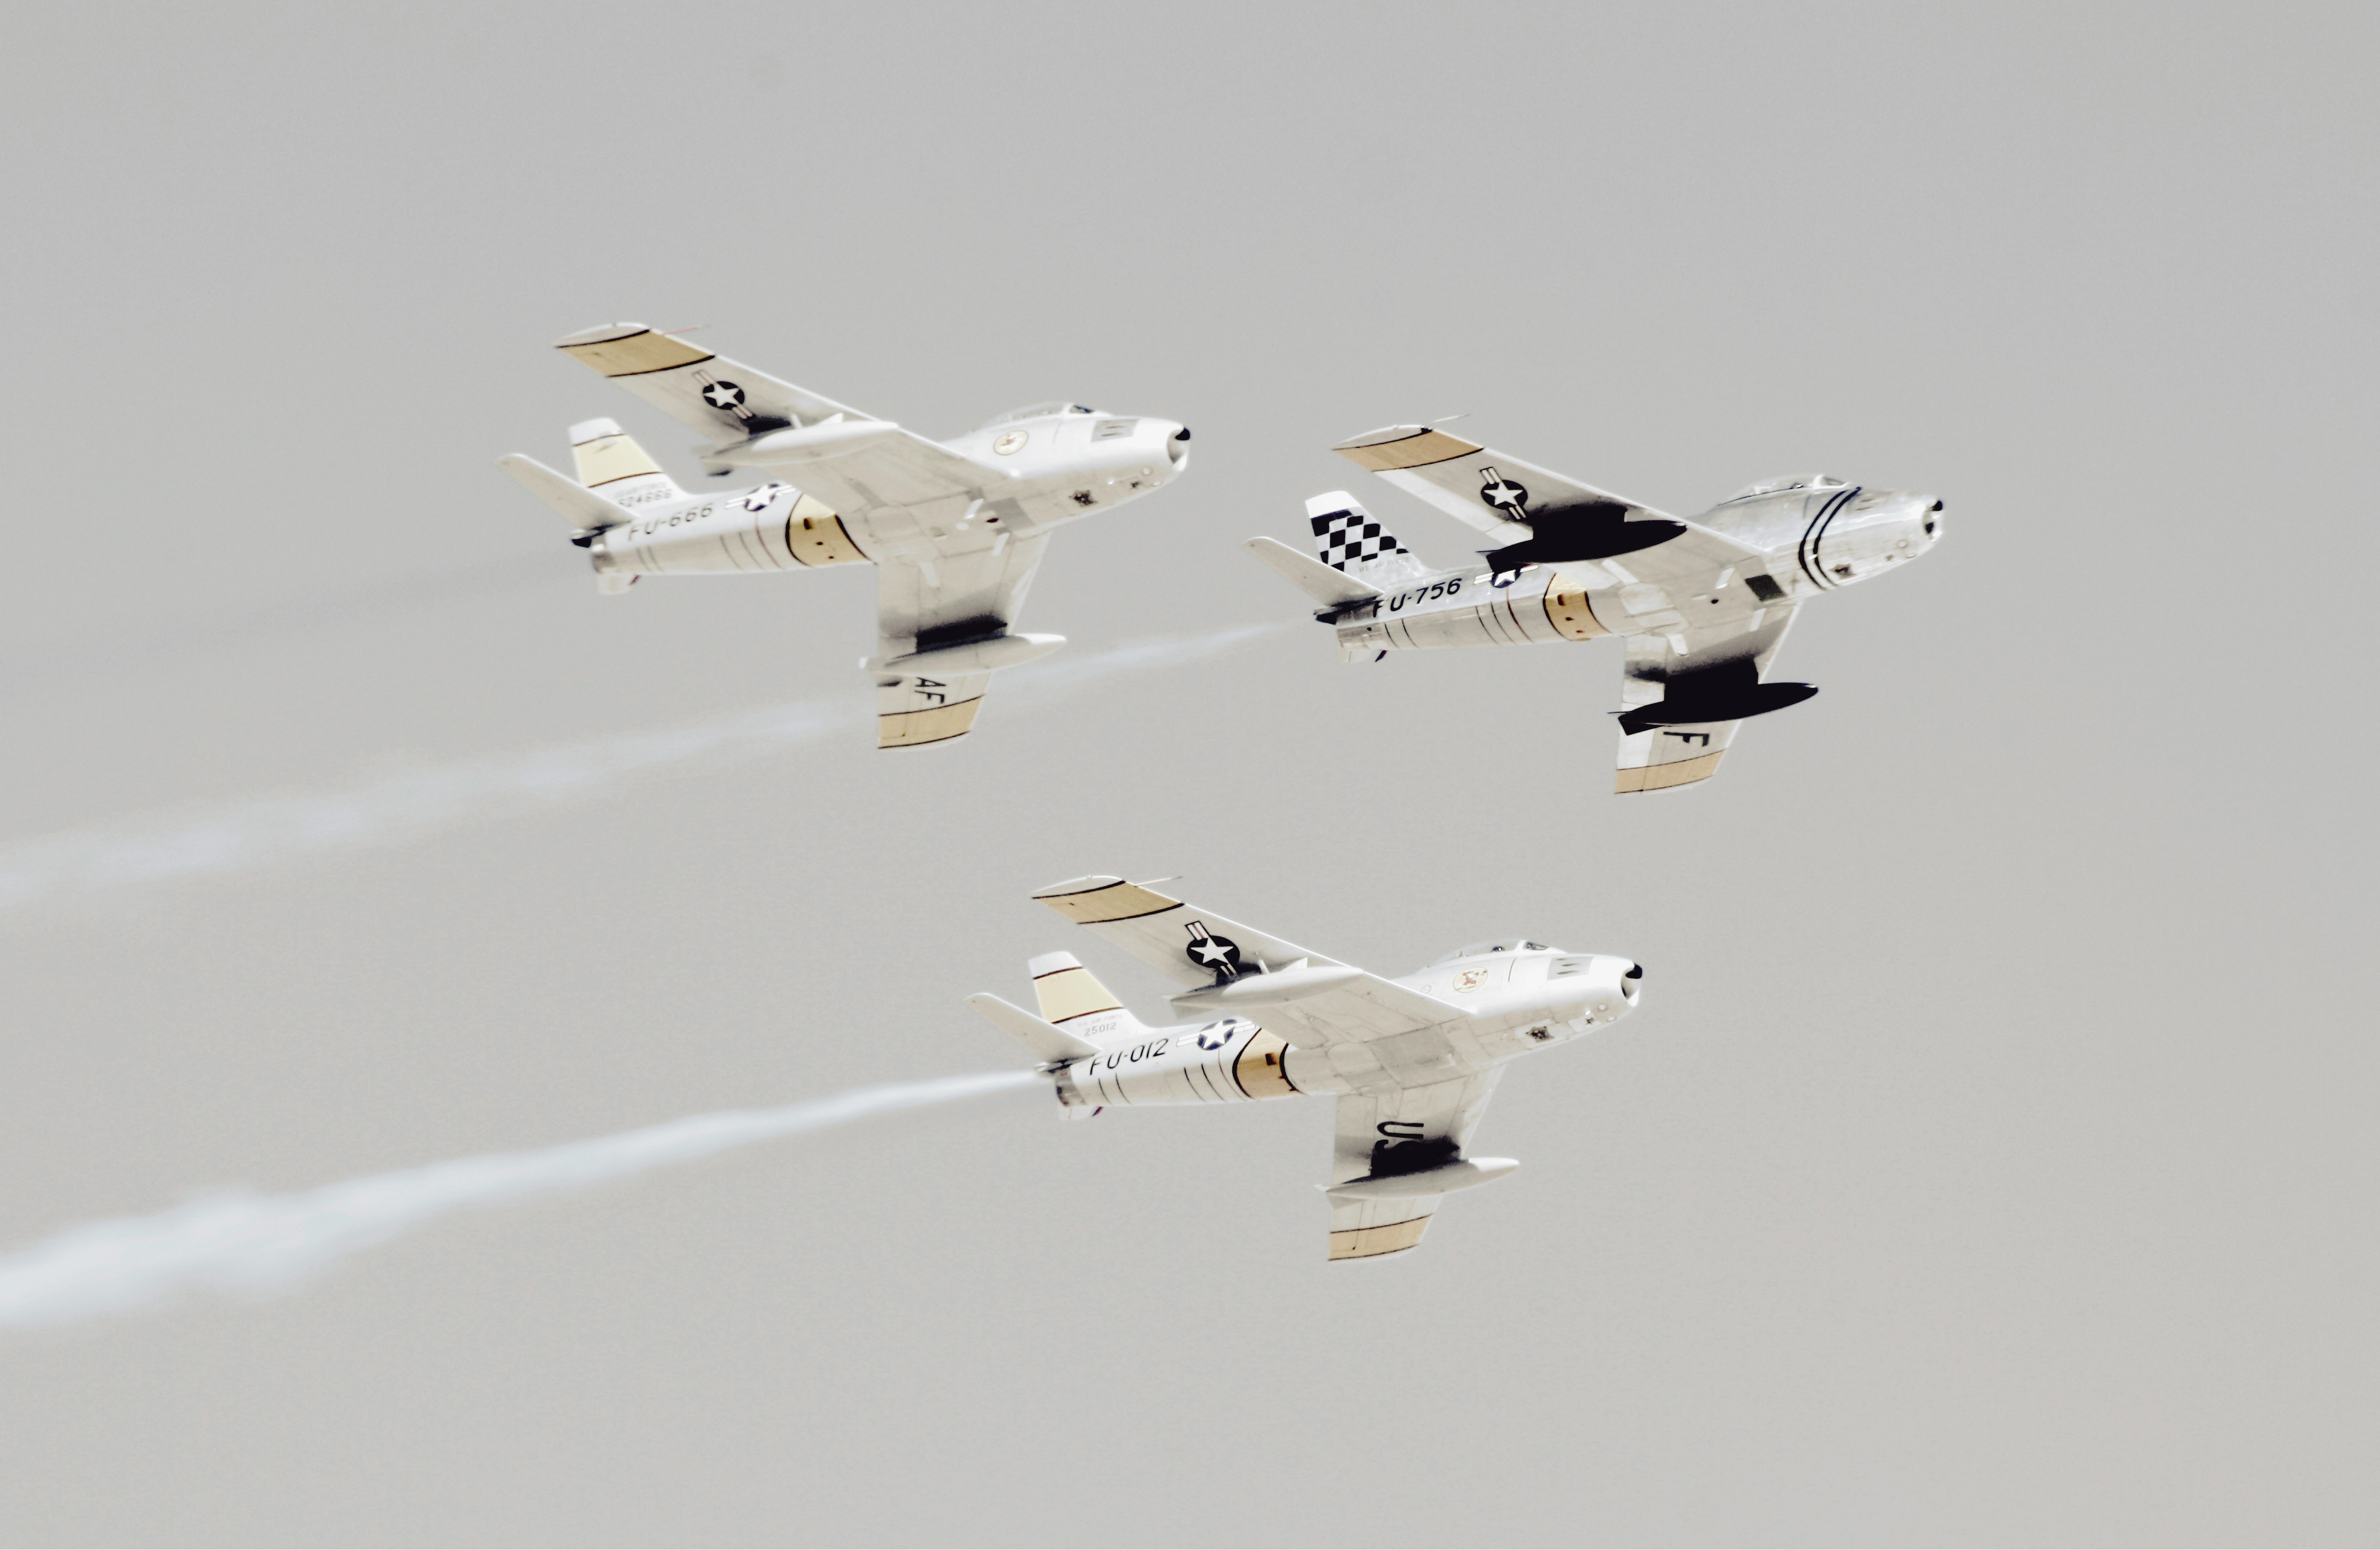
1072 993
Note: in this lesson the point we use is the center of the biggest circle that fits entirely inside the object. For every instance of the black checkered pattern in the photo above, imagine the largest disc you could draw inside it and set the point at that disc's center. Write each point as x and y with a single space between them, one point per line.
1345 538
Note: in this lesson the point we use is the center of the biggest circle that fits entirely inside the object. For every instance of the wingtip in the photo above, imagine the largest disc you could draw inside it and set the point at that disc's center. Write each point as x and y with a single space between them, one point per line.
1075 885
1090 901
602 333
1374 438
1394 447
1645 779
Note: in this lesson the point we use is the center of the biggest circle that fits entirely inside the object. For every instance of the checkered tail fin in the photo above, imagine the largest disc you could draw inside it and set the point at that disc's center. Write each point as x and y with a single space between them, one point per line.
1351 539
608 459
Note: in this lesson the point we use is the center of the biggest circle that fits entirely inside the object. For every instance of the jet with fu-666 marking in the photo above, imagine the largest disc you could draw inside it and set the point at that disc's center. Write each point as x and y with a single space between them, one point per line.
1703 604
1411 1061
954 529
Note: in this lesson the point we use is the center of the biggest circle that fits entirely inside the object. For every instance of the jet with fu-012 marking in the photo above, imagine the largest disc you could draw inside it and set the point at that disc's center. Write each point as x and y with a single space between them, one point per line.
1703 603
954 529
1410 1061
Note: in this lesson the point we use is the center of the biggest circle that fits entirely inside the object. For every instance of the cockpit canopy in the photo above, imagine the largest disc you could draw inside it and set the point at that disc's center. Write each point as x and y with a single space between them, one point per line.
1480 949
1037 411
1790 482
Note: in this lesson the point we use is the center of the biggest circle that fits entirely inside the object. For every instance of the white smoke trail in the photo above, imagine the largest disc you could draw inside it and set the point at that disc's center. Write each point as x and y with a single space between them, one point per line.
259 1245
277 828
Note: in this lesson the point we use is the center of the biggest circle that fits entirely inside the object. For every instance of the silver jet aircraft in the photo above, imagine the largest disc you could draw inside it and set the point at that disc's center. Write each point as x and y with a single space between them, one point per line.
1411 1061
954 529
1703 603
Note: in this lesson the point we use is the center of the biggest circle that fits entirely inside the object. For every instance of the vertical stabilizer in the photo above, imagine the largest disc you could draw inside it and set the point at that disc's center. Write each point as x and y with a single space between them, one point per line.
609 460
1351 539
1072 998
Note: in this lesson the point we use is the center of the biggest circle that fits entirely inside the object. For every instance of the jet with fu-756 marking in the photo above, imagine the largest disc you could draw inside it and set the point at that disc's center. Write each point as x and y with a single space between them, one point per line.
1703 604
1411 1061
954 529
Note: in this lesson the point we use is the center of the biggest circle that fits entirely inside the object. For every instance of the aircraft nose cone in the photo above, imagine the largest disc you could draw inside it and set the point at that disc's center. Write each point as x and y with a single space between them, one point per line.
1632 981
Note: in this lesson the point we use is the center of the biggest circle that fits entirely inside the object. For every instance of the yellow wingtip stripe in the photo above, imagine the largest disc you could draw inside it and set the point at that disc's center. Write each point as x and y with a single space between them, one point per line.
937 725
1661 778
1423 447
1363 1243
634 354
1116 901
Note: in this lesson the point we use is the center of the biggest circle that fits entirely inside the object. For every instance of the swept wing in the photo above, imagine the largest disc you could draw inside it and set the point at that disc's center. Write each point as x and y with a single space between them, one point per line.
1725 669
1406 1131
1535 515
852 461
943 602
1200 949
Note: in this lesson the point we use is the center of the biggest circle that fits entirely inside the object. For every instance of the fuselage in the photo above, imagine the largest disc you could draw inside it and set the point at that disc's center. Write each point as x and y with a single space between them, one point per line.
1504 1000
1813 536
1040 468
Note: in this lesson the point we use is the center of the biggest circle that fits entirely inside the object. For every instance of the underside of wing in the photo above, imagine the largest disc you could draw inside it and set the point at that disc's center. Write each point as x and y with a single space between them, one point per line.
955 607
914 709
1535 516
1671 757
1383 1136
1228 966
956 598
1686 695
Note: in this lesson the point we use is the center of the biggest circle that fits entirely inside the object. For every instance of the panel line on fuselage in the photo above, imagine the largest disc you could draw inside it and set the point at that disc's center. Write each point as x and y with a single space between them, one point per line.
1807 550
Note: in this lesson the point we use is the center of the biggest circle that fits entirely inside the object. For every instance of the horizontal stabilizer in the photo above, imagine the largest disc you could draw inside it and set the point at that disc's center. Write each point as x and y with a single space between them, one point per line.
580 506
1048 1043
1329 587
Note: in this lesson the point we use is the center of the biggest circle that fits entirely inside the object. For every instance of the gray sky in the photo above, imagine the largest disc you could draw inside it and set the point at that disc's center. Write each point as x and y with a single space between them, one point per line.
1991 1161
